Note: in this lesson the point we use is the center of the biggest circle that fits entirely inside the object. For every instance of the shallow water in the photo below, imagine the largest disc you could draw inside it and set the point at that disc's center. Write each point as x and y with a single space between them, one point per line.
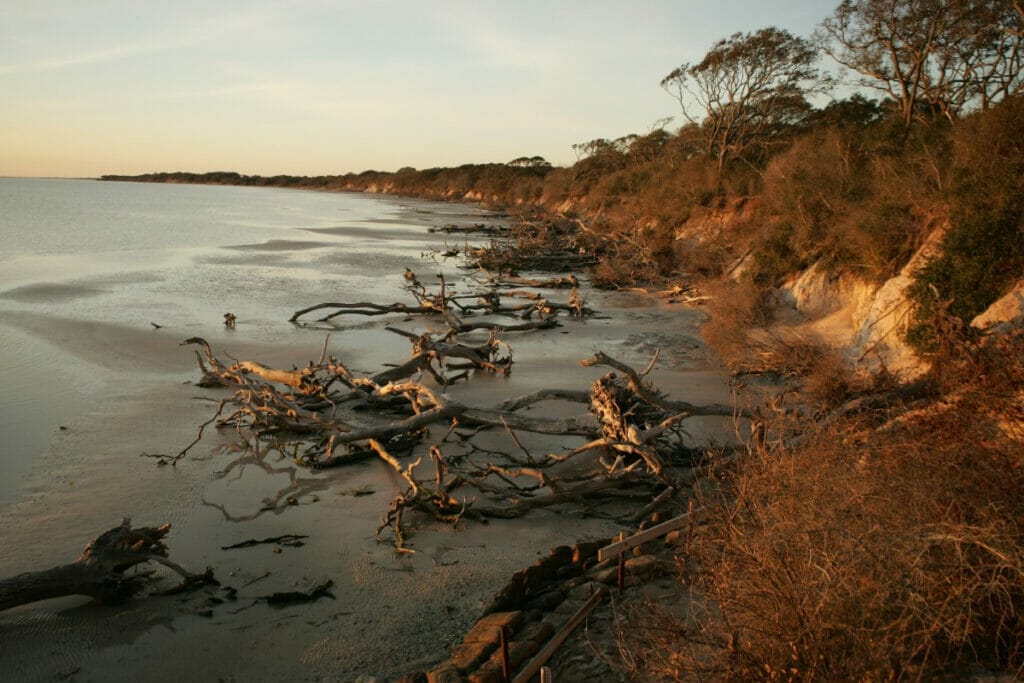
178 256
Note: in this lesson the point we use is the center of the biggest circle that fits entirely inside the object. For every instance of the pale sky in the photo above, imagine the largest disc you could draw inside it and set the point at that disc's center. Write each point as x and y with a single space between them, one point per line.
312 87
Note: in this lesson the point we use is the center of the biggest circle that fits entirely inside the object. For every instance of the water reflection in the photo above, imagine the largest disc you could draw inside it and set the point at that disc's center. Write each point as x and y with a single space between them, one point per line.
301 487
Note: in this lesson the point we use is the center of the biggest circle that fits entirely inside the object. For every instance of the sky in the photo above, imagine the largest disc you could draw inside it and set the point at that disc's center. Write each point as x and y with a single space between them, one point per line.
311 87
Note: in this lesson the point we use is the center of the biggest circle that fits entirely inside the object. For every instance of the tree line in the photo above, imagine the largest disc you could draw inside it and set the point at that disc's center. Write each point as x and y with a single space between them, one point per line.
850 183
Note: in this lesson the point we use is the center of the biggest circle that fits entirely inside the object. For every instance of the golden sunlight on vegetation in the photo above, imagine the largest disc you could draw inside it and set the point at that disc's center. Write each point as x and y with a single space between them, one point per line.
874 528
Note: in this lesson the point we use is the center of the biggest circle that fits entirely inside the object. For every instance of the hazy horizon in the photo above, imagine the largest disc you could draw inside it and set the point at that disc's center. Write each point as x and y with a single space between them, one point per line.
317 88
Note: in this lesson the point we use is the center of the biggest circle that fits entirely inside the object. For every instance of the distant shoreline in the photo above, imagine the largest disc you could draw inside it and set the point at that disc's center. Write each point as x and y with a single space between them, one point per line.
492 184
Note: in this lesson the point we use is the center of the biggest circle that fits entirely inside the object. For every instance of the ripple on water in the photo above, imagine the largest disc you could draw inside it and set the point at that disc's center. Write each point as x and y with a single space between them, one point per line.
46 292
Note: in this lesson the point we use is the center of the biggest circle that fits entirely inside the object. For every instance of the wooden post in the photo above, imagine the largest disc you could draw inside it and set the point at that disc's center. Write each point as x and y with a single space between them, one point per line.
506 664
622 572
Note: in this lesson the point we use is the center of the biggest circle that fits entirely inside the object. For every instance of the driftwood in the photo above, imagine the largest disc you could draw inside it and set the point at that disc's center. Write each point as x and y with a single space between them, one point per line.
100 571
443 302
491 280
282 599
324 415
510 258
653 397
475 229
633 428
291 540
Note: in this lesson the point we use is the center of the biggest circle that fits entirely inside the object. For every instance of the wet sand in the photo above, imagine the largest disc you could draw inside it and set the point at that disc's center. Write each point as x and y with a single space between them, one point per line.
391 614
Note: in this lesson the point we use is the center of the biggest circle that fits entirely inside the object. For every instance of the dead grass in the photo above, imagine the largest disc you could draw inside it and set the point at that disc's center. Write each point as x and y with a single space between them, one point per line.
867 552
734 308
829 380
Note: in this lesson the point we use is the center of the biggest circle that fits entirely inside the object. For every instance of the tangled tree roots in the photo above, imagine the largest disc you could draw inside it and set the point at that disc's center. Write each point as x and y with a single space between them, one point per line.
324 415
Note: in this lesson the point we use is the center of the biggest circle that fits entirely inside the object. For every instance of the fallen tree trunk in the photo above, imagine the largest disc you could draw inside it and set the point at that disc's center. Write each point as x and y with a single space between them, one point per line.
100 571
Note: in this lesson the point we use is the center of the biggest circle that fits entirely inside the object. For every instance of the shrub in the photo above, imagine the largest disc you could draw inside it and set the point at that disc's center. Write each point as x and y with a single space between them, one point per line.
863 553
634 257
829 380
983 251
734 308
775 257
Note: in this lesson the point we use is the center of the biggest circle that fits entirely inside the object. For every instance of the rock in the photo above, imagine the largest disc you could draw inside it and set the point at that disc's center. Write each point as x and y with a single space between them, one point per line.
446 673
1005 314
518 652
531 581
418 677
549 600
468 656
635 566
490 672
488 628
586 551
538 632
561 554
583 592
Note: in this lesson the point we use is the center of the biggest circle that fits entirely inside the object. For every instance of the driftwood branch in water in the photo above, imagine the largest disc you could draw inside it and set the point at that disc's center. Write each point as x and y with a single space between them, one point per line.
505 280
362 308
323 415
475 229
100 571
281 599
291 540
631 418
443 302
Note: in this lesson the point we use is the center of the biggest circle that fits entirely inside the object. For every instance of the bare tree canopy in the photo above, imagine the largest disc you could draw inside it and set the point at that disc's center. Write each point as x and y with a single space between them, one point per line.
746 90
937 56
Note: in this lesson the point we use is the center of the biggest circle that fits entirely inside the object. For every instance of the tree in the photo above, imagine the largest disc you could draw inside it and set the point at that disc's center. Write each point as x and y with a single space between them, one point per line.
747 90
530 162
939 56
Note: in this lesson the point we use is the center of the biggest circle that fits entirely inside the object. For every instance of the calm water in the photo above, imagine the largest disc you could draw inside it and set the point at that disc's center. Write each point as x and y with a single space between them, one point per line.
132 253
129 254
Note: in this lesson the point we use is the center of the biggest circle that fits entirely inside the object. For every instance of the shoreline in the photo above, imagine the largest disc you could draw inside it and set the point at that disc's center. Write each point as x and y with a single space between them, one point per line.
466 195
409 609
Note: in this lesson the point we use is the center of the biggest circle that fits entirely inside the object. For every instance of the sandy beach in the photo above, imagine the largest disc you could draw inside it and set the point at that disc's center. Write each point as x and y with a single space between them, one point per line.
133 394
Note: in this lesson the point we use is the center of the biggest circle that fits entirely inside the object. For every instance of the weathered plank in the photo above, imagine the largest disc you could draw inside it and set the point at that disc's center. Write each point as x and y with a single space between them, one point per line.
637 539
535 664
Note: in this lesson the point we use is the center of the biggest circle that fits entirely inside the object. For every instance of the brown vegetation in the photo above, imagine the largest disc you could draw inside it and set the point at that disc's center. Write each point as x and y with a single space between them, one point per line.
859 537
887 545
